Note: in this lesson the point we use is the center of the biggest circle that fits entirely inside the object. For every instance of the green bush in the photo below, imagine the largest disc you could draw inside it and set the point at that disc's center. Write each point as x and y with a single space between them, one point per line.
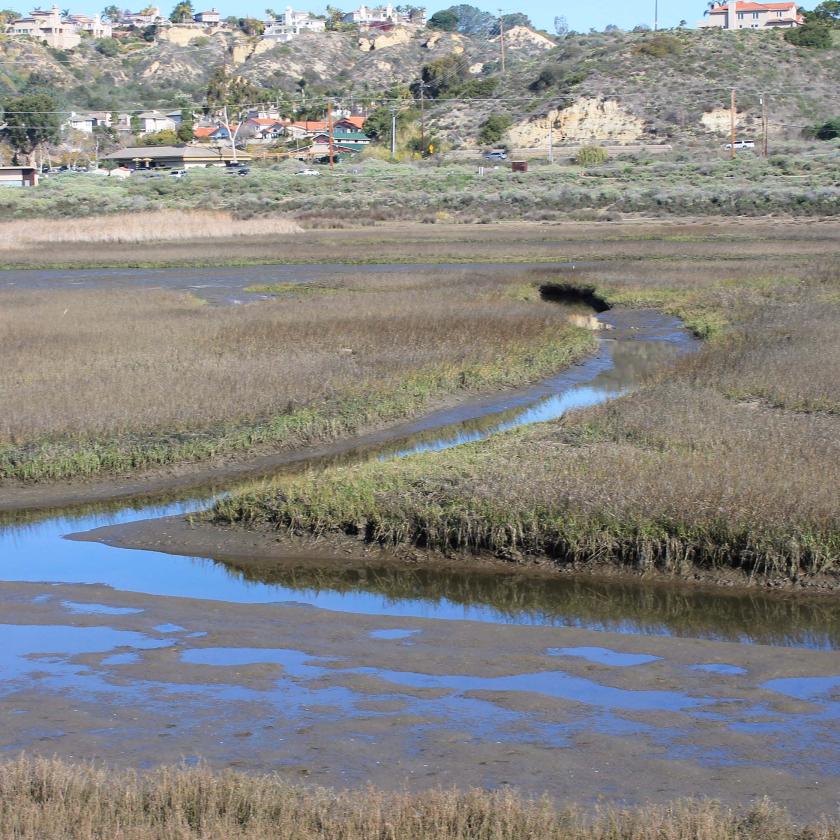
591 156
493 129
659 46
108 47
829 130
814 35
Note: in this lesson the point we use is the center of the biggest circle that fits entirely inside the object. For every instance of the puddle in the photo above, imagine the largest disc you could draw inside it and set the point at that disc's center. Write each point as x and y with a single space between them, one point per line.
393 634
719 668
98 609
812 689
605 656
170 628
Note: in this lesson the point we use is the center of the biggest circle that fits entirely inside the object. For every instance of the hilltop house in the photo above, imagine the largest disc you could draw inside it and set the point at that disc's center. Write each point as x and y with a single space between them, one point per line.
747 15
211 18
147 17
93 26
50 27
367 17
290 24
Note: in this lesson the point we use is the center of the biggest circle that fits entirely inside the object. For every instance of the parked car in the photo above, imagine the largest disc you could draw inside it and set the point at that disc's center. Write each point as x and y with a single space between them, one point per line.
309 172
496 154
177 173
740 144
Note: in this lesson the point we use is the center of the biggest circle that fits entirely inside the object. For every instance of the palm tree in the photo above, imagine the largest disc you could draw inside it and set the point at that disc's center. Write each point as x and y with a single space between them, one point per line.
712 4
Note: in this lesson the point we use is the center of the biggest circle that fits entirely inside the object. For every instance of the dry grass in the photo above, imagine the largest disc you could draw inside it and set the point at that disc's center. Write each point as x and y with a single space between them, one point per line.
156 371
146 227
50 800
731 460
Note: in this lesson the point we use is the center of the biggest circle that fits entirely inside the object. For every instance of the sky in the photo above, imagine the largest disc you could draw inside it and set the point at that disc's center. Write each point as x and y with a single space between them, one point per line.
581 16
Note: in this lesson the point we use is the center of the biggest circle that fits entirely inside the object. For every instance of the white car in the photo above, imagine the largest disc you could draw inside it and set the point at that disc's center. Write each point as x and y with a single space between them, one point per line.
177 173
740 144
309 172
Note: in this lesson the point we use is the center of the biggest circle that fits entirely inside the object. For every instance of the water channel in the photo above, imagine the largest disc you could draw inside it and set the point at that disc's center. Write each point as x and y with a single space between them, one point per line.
349 672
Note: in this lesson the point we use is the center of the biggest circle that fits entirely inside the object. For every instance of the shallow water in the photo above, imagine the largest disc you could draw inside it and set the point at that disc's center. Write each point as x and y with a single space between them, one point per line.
141 656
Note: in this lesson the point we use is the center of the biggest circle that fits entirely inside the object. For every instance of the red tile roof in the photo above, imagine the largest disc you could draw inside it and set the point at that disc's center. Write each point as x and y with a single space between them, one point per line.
742 6
357 121
311 125
205 131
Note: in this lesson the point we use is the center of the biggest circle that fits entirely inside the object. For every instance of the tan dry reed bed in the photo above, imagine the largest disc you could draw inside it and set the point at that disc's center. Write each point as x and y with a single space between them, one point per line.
145 227
150 376
51 800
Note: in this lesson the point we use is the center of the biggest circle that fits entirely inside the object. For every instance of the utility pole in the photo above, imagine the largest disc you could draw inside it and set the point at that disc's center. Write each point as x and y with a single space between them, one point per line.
422 119
393 133
764 126
656 15
502 38
330 126
733 124
550 138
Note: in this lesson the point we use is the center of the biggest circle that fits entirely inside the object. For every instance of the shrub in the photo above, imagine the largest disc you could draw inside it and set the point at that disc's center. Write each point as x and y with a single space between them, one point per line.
814 35
549 76
829 130
493 128
591 156
109 47
659 46
444 21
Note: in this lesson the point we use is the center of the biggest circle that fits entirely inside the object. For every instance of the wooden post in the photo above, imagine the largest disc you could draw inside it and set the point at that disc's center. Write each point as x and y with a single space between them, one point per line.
502 38
765 142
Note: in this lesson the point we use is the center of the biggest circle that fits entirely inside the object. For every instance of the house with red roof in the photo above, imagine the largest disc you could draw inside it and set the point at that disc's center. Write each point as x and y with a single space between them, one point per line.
743 14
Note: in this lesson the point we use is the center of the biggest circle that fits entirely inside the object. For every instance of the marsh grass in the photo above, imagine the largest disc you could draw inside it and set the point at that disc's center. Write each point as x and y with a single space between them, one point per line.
51 800
144 227
121 380
730 459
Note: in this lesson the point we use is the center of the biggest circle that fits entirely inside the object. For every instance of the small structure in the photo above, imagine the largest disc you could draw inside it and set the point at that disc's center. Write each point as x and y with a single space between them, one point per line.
93 26
175 157
87 122
740 14
152 122
147 17
18 176
211 18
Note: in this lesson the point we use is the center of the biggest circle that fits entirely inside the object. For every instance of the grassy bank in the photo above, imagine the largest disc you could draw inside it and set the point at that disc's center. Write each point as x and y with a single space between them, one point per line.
799 184
731 460
50 800
121 381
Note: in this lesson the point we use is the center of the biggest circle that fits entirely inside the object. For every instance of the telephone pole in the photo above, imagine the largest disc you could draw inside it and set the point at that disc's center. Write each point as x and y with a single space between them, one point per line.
330 126
422 119
656 15
550 138
765 142
733 124
502 38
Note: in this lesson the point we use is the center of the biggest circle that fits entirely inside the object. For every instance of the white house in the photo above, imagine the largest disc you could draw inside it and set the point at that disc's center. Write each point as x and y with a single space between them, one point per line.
211 18
50 27
376 16
87 122
146 17
153 121
747 15
94 26
291 23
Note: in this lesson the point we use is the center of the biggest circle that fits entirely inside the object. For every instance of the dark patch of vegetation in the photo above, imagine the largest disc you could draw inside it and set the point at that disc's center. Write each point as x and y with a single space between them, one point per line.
493 129
813 35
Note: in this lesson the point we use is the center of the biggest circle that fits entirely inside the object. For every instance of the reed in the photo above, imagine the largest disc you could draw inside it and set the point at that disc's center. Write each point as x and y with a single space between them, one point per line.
44 799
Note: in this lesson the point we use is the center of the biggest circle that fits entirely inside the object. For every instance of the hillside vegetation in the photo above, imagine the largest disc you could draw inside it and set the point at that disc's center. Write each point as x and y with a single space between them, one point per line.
666 85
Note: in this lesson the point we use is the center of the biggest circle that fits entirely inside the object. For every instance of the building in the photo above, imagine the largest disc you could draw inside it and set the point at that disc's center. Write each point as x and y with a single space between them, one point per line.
87 122
50 27
93 26
290 24
153 121
18 176
746 15
147 17
370 17
211 18
175 157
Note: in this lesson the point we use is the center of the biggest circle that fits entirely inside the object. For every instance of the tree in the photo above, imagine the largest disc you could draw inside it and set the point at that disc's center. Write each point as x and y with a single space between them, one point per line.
109 47
186 129
113 13
561 26
31 122
827 13
7 16
182 13
251 26
167 137
472 20
271 14
442 75
444 21
233 92
511 20
814 35
493 129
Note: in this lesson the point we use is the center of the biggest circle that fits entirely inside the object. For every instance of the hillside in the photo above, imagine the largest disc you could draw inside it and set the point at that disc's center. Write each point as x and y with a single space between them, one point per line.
614 87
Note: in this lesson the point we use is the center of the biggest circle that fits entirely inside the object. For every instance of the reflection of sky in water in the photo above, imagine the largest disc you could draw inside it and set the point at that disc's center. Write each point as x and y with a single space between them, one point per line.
550 408
605 656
